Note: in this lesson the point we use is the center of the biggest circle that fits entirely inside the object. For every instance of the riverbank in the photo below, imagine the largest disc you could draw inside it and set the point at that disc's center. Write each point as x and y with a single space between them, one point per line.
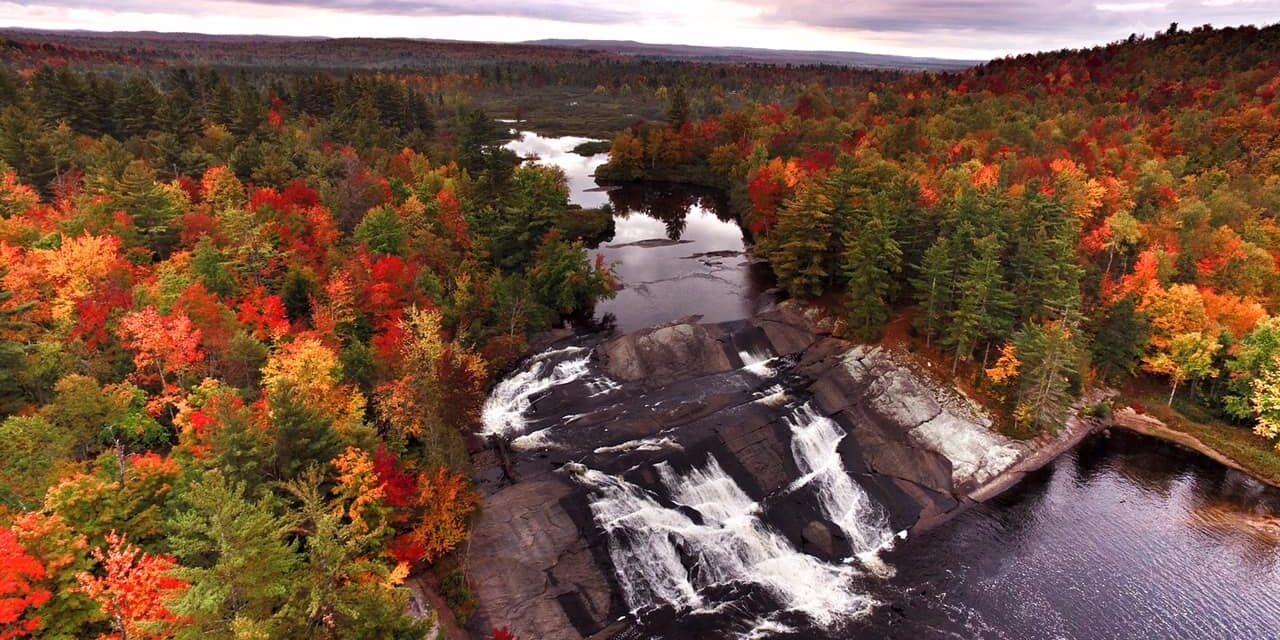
1129 419
1047 449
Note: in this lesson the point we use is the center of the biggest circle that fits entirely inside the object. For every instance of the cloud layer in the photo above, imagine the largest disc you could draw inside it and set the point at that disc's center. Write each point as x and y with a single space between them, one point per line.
955 28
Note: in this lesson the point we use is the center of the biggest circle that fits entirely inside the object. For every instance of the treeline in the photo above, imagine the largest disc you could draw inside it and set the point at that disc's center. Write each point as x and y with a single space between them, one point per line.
557 87
246 329
1052 219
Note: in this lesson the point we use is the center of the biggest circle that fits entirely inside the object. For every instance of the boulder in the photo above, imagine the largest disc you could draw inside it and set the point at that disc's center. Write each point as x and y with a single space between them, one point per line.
666 354
819 535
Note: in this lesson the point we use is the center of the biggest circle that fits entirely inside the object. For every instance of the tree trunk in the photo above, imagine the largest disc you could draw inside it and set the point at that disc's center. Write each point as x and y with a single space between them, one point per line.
1172 391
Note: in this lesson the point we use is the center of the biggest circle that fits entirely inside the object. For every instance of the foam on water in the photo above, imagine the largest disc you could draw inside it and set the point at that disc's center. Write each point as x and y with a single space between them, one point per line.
643 444
504 410
774 396
815 441
540 439
728 543
757 363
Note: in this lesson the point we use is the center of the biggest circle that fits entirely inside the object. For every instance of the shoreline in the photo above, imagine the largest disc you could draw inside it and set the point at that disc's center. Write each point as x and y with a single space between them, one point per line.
1129 419
1077 429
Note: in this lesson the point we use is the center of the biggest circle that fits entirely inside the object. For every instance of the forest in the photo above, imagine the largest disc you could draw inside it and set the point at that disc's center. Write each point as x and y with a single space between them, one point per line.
250 309
1044 222
248 325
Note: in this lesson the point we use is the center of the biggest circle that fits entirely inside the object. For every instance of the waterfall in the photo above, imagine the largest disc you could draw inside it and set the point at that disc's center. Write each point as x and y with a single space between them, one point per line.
504 409
728 543
814 445
757 363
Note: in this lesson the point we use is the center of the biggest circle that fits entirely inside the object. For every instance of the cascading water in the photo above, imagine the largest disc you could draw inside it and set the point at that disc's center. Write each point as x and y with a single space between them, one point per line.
504 410
727 543
757 363
815 441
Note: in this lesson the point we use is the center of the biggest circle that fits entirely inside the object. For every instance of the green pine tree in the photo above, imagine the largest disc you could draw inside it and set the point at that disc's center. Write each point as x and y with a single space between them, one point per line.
872 261
1048 355
797 246
934 285
237 556
983 311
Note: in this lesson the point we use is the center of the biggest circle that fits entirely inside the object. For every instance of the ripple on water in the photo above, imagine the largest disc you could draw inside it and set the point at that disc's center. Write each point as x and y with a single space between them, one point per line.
1110 541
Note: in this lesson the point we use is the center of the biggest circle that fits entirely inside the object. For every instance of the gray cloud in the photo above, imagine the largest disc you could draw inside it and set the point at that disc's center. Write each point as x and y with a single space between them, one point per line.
1103 19
591 12
986 26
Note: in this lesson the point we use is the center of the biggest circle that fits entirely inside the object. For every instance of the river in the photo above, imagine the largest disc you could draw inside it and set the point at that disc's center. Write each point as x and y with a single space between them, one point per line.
1124 537
676 250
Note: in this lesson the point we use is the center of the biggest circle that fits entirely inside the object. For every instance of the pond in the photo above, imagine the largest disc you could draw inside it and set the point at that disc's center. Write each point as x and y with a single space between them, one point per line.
1125 537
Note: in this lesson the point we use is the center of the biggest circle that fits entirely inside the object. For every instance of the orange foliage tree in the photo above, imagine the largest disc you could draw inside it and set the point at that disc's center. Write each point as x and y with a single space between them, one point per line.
20 592
135 590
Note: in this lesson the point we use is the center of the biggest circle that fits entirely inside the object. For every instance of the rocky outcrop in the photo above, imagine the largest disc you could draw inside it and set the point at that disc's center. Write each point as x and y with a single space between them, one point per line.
532 567
677 395
666 354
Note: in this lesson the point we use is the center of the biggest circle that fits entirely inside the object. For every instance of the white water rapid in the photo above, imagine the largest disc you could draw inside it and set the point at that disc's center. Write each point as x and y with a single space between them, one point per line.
648 541
504 410
815 441
757 363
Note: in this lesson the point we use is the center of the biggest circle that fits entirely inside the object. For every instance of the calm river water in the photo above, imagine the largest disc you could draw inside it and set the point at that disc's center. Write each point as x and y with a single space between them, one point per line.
677 251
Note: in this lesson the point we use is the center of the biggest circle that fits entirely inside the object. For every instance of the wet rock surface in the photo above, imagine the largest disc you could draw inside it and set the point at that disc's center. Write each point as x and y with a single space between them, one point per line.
640 414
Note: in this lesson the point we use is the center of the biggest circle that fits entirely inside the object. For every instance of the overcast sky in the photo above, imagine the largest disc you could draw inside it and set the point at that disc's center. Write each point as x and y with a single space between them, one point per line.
946 28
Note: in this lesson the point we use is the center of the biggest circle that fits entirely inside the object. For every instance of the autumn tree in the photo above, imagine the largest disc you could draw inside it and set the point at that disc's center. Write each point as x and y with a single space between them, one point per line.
433 509
1265 402
136 590
1253 357
64 554
21 593
438 396
1189 356
169 345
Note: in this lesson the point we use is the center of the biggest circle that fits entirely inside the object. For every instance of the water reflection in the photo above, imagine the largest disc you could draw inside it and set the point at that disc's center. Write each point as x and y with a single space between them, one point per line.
1124 538
558 152
677 251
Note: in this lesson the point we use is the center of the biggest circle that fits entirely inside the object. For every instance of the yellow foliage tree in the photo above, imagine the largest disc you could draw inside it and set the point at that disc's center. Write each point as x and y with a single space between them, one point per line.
314 373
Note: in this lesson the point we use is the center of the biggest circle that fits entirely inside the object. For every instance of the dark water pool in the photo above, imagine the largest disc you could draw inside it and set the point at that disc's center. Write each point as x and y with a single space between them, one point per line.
1125 537
676 250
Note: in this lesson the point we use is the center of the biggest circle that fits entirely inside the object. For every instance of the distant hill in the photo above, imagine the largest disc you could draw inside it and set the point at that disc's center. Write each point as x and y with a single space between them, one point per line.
413 53
767 56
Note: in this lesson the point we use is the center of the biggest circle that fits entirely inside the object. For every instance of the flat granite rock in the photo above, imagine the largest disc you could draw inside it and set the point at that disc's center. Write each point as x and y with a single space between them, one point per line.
666 354
526 554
